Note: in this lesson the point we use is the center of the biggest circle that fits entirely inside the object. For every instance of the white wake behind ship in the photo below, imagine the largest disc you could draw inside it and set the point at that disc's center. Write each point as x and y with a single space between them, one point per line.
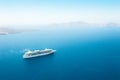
36 53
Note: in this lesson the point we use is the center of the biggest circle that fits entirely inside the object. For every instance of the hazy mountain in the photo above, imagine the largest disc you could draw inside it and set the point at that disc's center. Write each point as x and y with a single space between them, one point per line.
19 29
113 24
72 24
87 24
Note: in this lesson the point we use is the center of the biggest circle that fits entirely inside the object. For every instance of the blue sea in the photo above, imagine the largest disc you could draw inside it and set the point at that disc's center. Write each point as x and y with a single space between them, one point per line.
83 53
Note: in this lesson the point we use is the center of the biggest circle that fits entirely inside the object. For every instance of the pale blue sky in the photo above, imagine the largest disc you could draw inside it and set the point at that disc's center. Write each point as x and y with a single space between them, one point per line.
22 12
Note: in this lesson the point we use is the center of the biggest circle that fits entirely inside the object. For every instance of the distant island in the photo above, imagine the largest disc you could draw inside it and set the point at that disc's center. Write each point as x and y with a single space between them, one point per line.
3 33
5 30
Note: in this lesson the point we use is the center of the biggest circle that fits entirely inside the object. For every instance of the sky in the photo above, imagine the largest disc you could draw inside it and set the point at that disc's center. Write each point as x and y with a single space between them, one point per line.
37 12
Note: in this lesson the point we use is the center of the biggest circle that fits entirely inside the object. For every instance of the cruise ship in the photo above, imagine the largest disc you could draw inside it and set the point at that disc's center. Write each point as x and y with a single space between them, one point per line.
36 53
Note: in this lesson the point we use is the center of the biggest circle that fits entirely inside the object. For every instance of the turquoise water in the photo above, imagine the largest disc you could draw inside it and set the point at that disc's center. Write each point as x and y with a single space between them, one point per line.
89 53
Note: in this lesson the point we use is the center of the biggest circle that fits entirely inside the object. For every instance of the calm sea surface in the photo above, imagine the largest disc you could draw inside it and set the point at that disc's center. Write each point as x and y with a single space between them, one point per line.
89 53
